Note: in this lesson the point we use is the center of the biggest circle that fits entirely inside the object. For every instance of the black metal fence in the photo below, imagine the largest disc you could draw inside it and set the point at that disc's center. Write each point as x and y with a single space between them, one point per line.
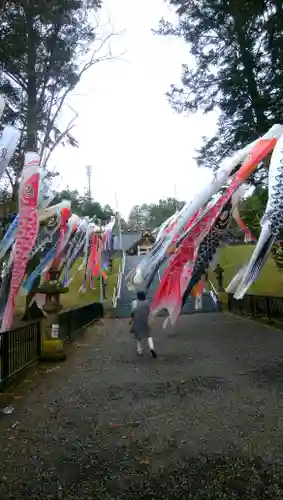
258 306
18 349
75 319
22 346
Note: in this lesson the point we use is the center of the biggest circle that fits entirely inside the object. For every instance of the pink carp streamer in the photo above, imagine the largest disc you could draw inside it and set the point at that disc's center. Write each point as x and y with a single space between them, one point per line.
93 253
169 294
63 225
94 265
27 231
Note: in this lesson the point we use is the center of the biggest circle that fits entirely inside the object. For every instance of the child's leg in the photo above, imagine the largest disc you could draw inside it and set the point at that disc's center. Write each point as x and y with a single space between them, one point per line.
150 343
151 347
139 347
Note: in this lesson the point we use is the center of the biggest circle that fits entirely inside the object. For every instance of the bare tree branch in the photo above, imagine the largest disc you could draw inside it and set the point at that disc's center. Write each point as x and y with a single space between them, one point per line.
45 72
57 102
16 78
50 124
10 178
63 134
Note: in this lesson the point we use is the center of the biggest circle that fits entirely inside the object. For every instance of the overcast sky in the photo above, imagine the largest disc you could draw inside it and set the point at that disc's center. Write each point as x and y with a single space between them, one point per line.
137 146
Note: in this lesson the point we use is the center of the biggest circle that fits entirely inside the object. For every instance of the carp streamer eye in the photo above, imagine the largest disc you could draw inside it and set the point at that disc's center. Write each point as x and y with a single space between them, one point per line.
52 222
224 215
29 191
235 169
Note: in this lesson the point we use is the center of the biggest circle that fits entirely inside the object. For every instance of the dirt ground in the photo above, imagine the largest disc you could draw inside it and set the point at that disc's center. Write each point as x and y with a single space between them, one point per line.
202 421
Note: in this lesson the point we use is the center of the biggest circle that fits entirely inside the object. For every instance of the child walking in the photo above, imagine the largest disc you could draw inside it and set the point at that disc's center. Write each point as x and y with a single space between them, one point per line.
140 325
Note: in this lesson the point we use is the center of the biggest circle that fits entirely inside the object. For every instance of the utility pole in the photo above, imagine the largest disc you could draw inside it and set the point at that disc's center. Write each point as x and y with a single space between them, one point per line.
88 173
175 196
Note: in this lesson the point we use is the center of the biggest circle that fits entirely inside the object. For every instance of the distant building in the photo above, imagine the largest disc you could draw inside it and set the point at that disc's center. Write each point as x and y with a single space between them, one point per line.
142 245
128 239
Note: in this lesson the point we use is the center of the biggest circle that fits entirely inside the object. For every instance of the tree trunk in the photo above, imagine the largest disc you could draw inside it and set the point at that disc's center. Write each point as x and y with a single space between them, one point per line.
257 102
31 144
274 43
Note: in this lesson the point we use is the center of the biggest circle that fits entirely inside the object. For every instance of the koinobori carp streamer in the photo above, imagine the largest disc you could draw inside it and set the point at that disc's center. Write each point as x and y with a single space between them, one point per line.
186 244
44 236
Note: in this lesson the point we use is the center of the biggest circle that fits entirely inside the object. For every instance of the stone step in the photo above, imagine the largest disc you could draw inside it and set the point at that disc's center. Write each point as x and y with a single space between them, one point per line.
124 304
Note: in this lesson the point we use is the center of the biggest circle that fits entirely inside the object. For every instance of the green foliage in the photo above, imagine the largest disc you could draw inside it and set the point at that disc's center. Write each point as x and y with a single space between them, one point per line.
269 281
162 210
237 69
44 50
139 216
252 209
151 216
83 207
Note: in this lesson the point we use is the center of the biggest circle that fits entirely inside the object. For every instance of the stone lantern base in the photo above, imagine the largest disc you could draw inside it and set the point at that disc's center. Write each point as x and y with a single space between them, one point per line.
52 348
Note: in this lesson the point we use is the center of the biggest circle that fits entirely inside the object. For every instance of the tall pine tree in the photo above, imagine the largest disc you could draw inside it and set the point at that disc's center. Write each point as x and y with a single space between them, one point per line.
45 47
238 69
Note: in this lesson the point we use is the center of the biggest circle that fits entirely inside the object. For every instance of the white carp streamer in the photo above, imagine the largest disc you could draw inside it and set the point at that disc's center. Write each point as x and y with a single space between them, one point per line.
189 241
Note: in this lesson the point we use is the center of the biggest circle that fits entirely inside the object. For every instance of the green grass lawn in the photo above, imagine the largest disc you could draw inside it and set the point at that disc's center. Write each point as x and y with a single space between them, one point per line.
75 299
270 280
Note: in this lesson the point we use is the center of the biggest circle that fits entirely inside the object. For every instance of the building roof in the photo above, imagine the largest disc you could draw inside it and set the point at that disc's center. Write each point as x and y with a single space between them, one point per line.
146 239
128 239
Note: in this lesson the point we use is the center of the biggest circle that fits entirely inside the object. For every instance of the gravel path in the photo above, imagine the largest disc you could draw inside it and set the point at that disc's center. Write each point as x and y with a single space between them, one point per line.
203 421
